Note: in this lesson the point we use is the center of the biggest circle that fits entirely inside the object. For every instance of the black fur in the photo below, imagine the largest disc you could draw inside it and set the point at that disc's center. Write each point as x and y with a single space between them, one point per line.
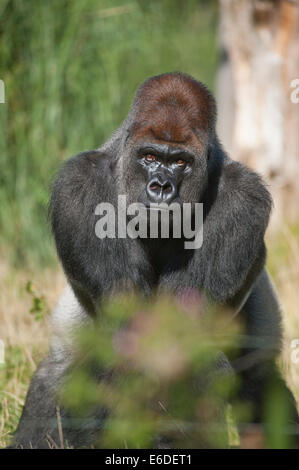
236 212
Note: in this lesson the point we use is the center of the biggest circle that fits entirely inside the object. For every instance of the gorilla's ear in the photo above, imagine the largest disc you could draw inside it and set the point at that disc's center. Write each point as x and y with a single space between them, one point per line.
237 207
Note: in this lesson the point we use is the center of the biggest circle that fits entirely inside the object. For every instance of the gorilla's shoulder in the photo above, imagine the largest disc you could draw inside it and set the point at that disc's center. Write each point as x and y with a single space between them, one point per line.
242 183
81 180
85 169
89 161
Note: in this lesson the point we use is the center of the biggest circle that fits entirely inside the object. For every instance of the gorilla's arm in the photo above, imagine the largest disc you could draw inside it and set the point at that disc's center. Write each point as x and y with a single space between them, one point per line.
236 207
38 426
236 219
257 365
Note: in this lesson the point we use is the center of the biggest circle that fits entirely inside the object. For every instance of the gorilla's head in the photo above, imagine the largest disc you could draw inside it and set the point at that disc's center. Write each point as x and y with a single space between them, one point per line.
168 140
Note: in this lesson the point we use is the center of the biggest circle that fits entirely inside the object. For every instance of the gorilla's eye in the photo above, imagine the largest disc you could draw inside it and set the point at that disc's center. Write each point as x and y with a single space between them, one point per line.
150 158
181 162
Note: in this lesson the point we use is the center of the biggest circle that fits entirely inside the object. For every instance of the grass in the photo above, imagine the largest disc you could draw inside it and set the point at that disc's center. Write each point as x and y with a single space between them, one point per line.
283 264
26 338
70 71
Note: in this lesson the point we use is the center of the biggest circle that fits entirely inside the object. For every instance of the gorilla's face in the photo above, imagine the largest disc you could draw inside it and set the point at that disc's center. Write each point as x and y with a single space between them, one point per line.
164 172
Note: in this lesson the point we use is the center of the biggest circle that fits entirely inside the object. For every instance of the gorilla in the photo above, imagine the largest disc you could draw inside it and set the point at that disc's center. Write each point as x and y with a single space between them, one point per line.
166 150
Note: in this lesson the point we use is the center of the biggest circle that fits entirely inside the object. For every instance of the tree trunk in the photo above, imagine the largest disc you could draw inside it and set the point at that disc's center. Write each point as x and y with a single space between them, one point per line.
260 41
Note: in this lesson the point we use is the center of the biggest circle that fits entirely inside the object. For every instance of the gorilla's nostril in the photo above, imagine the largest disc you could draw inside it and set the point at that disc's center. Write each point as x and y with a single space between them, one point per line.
167 188
155 187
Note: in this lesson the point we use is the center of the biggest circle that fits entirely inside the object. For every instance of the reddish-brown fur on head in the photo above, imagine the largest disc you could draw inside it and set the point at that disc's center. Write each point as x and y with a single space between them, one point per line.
173 107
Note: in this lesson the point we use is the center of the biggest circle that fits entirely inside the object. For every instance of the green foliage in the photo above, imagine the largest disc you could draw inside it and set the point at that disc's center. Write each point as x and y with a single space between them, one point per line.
39 306
162 374
159 370
16 365
70 70
278 416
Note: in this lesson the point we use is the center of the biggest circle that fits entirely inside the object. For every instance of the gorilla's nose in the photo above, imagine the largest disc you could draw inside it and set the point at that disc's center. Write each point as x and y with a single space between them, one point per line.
161 190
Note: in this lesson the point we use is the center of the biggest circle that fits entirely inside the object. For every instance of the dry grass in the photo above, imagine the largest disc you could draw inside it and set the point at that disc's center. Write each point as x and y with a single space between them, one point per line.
283 263
26 339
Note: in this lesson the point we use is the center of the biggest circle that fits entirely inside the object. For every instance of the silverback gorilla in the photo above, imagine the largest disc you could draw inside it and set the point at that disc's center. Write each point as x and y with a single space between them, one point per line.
165 150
